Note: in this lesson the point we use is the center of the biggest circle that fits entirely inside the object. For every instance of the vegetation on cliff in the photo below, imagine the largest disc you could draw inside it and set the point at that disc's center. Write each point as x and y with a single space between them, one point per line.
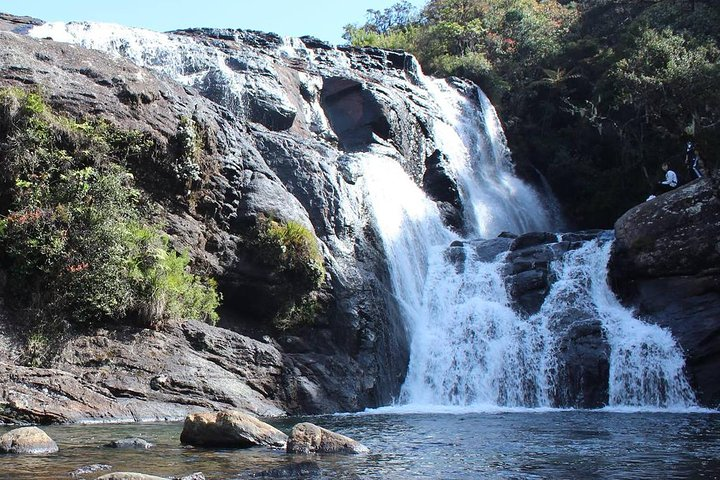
291 251
76 241
594 94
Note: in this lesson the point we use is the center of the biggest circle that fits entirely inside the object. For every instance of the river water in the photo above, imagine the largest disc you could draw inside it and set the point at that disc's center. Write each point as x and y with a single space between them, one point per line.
498 445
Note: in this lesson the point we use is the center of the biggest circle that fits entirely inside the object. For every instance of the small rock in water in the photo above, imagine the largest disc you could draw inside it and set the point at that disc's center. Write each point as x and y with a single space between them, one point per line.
309 438
30 440
130 476
296 470
97 467
134 442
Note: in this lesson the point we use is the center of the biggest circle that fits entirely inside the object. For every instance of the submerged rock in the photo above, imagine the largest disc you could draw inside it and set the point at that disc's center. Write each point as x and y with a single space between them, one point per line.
138 443
229 429
309 438
29 440
302 470
129 476
82 471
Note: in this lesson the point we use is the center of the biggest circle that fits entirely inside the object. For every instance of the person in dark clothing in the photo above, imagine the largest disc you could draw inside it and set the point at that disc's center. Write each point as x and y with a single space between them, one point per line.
692 161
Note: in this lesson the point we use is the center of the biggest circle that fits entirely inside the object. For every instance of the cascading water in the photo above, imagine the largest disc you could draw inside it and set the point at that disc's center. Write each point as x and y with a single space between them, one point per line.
468 346
472 138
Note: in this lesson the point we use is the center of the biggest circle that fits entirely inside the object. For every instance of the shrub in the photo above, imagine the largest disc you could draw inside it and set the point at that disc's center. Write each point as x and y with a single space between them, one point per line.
167 291
292 251
74 240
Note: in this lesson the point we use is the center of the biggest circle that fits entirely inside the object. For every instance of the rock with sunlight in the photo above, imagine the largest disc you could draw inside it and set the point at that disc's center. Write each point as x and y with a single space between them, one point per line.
309 438
230 429
30 440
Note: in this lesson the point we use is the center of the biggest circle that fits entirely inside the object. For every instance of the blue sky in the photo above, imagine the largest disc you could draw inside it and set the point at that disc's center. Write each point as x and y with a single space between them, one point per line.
321 18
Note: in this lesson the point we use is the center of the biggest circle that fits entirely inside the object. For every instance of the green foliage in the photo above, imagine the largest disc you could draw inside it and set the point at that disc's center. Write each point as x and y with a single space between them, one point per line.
292 251
73 240
594 94
167 292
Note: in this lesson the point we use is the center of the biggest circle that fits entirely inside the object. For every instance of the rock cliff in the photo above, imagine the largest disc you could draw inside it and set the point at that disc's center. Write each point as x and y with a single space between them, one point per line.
666 263
282 146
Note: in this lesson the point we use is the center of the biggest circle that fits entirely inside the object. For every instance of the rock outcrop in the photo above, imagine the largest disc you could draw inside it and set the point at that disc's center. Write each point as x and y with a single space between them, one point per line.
230 429
284 147
666 263
309 438
30 440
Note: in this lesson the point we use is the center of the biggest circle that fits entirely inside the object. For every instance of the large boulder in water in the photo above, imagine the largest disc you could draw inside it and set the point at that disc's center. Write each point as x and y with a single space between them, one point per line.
229 429
309 438
27 440
666 263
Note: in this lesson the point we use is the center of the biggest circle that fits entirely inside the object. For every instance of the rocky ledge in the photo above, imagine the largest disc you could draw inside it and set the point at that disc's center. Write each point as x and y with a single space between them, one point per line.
666 264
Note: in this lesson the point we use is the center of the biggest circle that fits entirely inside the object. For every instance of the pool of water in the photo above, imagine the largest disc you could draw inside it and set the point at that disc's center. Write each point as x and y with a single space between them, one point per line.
499 445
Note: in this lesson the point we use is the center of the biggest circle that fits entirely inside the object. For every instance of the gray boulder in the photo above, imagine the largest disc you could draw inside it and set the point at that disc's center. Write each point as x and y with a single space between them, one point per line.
229 429
29 440
666 264
309 438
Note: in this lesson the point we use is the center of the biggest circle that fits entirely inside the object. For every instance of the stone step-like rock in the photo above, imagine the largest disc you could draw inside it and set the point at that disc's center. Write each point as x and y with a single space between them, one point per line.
229 428
309 438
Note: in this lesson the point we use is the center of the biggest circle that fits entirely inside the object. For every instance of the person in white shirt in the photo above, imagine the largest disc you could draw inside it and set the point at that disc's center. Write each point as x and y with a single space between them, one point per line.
670 182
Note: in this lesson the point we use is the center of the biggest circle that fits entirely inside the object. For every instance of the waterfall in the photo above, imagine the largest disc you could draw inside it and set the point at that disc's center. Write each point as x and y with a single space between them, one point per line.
646 364
471 136
469 347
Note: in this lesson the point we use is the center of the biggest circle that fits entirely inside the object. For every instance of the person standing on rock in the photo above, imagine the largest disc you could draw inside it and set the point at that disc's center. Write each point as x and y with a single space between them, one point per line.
670 182
692 161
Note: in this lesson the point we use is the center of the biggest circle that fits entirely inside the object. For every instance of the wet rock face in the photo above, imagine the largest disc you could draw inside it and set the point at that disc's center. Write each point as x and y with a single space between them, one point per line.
584 366
439 184
527 270
666 263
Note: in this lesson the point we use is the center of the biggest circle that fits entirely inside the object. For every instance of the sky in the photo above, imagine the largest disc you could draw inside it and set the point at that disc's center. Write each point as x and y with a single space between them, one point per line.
323 19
